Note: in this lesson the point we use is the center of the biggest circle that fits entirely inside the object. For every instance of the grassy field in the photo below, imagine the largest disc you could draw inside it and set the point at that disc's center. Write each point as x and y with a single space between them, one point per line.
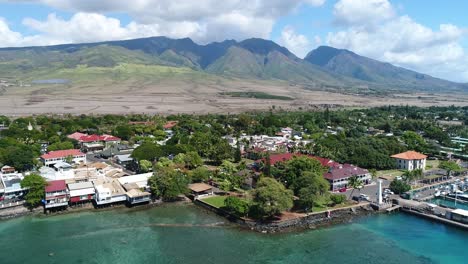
432 164
389 174
216 201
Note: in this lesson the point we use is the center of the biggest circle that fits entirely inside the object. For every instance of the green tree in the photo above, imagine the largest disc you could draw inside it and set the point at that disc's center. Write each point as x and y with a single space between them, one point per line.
192 160
19 156
60 146
295 168
449 166
200 174
124 132
271 198
237 206
337 198
147 151
145 165
36 189
168 183
237 153
355 183
312 190
399 186
414 141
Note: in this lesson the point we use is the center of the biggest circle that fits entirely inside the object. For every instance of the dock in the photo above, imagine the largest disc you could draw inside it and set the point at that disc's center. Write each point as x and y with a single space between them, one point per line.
393 208
429 211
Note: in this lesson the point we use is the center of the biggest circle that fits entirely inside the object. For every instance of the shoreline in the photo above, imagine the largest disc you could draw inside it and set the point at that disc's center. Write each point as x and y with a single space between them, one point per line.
311 221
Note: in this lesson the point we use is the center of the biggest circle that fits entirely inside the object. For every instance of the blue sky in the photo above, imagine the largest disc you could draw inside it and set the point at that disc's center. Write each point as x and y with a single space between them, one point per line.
426 36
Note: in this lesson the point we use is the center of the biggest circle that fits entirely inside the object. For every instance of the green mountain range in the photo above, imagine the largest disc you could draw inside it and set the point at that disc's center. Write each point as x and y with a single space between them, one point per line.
148 58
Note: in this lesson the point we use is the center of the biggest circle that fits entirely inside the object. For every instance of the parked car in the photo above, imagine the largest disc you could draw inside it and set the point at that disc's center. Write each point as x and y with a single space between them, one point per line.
342 189
364 197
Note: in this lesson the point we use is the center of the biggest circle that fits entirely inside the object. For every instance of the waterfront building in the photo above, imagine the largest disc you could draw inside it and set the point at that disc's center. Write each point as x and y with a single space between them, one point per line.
10 184
338 176
410 160
81 192
56 194
141 180
200 189
109 191
54 157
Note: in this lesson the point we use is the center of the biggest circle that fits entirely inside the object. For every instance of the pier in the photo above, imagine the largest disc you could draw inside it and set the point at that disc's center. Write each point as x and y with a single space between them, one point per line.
433 212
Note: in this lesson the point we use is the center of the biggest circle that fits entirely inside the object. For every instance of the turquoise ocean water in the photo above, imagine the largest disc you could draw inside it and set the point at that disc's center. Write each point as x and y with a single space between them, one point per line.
187 234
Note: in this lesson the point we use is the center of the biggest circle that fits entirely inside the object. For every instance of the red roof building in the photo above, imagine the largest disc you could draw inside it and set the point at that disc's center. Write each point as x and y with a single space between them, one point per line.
54 186
76 136
337 175
410 155
61 155
410 160
85 138
56 194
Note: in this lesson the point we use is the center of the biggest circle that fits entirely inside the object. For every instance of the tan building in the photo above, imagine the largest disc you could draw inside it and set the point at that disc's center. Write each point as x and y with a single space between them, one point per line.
410 160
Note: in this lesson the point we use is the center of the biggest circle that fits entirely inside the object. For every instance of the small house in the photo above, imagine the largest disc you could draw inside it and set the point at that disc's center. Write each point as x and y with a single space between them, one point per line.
200 189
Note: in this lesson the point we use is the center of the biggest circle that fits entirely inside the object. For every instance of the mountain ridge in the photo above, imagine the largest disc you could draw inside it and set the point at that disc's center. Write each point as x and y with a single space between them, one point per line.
252 58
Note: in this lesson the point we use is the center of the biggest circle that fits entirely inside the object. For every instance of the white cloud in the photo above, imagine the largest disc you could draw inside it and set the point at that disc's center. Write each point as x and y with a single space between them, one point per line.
402 41
362 12
296 43
202 20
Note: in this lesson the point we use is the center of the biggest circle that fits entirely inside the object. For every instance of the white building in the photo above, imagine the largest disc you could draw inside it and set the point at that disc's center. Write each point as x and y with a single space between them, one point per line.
54 157
410 160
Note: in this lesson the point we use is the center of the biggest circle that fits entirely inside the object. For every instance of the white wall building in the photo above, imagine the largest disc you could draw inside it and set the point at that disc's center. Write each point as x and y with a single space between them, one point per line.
410 160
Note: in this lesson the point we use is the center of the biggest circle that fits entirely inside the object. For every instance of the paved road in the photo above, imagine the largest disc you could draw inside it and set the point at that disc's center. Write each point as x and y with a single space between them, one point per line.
370 190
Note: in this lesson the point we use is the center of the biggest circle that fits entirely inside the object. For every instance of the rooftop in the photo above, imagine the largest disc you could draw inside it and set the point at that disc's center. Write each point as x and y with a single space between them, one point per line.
62 154
344 171
80 185
199 187
409 155
56 186
137 193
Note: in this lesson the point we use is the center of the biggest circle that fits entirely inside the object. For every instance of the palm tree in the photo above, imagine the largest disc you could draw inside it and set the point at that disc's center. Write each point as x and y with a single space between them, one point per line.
408 176
355 183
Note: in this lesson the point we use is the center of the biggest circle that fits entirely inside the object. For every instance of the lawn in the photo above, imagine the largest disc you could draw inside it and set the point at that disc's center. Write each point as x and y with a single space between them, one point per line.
216 201
389 174
432 164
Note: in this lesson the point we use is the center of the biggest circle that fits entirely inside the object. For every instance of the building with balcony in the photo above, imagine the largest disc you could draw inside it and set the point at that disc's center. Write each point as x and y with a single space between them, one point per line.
56 194
53 157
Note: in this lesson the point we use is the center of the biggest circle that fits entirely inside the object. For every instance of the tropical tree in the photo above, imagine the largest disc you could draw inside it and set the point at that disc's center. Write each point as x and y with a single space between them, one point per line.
449 166
168 183
36 189
355 183
200 174
236 205
145 165
271 198
399 186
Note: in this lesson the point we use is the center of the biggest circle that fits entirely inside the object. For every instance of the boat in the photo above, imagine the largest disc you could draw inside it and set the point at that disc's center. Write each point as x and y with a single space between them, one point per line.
437 194
459 196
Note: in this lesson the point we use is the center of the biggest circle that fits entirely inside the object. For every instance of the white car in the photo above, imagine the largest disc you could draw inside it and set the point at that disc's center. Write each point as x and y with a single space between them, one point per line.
364 197
387 191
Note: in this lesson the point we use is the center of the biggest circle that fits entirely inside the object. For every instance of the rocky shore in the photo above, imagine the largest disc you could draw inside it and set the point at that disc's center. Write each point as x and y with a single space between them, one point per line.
313 220
310 221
